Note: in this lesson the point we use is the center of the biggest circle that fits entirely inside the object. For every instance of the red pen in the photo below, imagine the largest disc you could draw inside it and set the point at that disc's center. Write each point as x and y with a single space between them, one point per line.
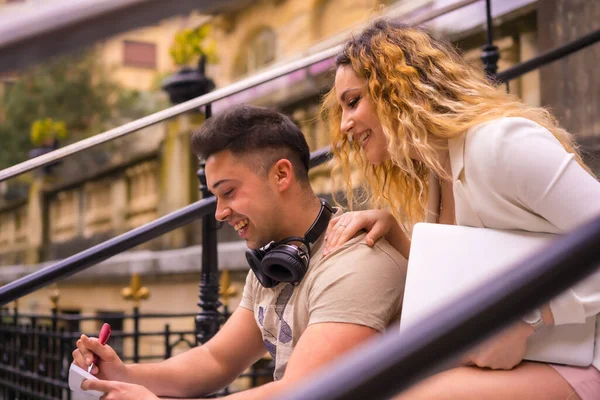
102 338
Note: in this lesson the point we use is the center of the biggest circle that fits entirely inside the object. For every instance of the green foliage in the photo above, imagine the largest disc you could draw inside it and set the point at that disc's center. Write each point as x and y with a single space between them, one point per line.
190 44
46 130
74 92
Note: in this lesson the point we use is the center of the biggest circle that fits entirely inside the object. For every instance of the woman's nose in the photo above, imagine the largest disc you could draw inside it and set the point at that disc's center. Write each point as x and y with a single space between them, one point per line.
347 125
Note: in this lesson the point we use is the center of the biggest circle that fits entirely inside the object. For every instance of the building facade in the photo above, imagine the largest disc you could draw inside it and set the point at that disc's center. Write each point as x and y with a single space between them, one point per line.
152 172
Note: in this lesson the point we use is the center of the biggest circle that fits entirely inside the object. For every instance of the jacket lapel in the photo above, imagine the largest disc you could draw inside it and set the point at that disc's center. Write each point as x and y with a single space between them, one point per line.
464 212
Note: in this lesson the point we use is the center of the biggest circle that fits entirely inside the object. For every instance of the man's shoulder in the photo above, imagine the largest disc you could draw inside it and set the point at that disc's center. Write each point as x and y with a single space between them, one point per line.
357 284
355 259
356 250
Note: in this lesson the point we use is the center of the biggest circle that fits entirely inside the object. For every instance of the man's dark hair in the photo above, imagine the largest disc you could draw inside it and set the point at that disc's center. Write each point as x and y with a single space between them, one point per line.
265 135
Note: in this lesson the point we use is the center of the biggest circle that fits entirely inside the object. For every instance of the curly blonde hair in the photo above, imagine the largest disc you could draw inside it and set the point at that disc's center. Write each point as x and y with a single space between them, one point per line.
422 89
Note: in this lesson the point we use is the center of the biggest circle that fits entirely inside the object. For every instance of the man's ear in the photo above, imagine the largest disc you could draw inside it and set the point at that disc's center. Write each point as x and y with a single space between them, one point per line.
282 174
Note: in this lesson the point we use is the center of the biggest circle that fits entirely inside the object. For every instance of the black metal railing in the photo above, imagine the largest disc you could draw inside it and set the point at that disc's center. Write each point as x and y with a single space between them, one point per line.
385 374
549 56
194 104
36 349
385 367
393 362
92 256
205 207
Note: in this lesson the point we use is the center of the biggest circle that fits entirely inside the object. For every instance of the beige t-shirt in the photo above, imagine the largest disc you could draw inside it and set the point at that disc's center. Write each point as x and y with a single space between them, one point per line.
355 284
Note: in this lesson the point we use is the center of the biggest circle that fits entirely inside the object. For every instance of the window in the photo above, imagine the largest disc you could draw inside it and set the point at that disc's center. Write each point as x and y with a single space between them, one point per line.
139 54
258 51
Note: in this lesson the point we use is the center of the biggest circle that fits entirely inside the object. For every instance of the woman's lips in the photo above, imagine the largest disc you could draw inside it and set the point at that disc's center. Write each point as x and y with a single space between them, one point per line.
364 138
365 141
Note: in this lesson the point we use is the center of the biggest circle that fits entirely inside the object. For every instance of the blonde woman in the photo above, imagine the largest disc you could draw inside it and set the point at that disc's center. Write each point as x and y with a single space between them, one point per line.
434 140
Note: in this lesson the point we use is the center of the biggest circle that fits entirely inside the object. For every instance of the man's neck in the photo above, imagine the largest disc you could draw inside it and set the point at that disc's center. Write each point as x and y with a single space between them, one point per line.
302 218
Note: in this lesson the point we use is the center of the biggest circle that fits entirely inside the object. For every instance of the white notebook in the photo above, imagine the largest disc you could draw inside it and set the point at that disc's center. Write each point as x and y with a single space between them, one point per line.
76 377
447 261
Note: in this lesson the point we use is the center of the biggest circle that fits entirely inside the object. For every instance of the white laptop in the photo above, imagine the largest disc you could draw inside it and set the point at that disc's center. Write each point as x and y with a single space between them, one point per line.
447 261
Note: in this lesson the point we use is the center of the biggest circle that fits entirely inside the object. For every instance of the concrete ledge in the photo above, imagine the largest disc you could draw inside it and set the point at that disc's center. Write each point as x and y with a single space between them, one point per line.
144 262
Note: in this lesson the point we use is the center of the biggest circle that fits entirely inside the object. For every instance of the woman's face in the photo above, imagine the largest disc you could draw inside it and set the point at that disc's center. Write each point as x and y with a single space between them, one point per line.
359 118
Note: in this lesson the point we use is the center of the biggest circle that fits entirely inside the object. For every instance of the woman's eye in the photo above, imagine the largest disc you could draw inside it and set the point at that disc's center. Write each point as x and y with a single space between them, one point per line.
352 103
228 193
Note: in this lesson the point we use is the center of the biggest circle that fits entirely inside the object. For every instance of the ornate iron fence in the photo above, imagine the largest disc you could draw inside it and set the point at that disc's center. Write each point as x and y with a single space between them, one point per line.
36 349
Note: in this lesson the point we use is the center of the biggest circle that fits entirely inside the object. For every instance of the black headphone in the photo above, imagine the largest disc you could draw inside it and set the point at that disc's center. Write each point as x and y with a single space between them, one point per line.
284 262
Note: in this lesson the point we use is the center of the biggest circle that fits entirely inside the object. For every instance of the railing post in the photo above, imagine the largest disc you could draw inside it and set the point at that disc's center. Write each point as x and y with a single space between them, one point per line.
136 334
54 351
66 347
209 318
16 313
135 292
167 341
12 349
490 54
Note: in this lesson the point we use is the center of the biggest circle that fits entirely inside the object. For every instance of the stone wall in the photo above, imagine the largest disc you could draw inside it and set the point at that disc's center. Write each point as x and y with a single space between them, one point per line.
571 85
77 208
153 172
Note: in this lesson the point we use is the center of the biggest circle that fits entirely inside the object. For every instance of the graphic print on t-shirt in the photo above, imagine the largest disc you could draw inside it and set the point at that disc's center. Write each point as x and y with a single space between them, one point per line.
276 327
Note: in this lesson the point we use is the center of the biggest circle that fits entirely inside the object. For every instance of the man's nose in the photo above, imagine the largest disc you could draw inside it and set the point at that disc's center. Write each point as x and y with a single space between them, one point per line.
222 213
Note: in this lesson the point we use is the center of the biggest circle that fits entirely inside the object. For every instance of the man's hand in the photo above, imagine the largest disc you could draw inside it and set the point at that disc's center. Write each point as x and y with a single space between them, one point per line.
109 366
118 390
504 350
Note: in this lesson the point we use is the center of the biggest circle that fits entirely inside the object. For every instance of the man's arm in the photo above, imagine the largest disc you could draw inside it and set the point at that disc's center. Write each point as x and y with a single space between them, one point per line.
208 368
318 345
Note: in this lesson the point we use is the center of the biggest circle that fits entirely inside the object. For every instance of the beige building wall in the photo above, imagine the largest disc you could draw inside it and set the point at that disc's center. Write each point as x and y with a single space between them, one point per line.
139 196
296 25
161 36
174 294
111 50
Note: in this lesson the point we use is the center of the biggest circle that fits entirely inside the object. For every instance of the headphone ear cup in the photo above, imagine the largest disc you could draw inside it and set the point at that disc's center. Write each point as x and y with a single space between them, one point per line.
283 264
254 258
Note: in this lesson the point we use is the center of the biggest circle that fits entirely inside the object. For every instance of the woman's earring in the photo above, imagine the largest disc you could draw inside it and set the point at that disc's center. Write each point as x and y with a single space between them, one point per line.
350 138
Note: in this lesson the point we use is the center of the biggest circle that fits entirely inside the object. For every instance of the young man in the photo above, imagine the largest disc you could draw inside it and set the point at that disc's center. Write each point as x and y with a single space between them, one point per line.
257 167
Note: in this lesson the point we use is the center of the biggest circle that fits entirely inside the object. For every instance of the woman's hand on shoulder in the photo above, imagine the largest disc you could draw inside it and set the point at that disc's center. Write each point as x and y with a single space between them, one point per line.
344 227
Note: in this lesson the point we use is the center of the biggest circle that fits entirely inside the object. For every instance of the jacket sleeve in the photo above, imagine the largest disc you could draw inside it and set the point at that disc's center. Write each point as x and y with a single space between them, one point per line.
544 178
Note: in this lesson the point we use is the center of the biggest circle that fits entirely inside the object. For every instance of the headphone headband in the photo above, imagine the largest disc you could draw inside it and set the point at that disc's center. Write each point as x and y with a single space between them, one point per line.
320 224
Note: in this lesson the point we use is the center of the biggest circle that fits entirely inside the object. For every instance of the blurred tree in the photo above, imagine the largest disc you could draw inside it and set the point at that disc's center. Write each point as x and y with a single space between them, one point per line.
47 130
190 44
73 89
